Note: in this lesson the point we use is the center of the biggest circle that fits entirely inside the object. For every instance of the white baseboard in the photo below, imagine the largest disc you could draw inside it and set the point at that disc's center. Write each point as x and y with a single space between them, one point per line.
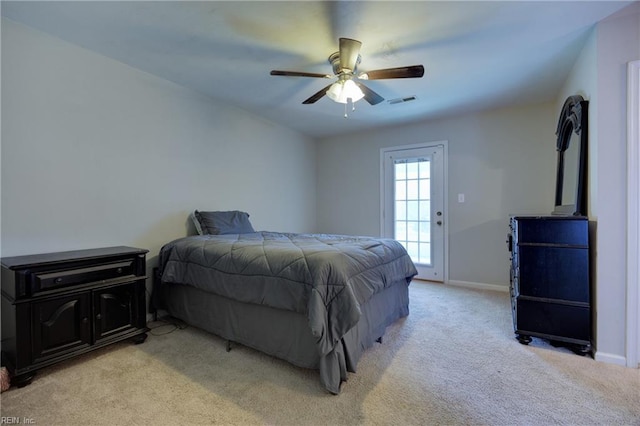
610 358
479 286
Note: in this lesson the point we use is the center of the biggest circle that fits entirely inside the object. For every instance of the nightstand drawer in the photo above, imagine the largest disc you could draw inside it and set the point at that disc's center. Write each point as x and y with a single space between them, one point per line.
50 280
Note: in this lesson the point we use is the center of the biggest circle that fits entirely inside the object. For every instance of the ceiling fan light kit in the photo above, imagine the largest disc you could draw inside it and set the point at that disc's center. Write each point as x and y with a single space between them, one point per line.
344 90
344 64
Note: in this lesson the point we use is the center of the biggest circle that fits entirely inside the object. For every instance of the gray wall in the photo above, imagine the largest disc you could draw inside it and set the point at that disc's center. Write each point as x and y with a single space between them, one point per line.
96 153
503 161
599 75
617 43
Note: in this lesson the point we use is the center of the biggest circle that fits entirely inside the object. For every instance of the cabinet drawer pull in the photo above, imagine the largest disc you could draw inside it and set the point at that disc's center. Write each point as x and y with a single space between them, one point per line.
58 280
98 316
85 320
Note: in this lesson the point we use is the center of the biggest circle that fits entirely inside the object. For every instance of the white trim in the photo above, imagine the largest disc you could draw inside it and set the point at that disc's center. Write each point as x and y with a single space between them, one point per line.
445 195
479 286
633 215
610 358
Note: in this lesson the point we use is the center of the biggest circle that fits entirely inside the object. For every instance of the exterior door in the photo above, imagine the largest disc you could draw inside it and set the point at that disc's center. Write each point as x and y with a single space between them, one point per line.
413 204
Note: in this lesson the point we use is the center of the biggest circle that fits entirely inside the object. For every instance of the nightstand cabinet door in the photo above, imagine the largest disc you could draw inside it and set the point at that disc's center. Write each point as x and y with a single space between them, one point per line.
60 325
116 311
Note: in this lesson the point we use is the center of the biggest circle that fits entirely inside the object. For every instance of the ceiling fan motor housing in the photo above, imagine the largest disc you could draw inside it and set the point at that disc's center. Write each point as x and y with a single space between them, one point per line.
334 60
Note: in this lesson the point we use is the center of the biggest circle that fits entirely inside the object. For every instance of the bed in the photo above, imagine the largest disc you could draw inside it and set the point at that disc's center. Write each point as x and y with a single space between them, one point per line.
315 300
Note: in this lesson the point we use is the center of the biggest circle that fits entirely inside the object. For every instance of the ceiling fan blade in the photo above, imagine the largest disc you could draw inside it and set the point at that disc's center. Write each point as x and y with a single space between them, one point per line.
349 52
369 95
299 74
316 96
413 71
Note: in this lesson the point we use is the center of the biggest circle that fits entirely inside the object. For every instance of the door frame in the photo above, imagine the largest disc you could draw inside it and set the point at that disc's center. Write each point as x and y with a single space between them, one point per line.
633 215
445 194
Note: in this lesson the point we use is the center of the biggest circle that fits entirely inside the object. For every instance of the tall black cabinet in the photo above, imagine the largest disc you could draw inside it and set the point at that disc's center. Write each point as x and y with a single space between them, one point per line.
550 285
58 305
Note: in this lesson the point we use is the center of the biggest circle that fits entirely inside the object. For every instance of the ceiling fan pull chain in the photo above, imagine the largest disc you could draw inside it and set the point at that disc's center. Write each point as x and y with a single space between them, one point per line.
345 111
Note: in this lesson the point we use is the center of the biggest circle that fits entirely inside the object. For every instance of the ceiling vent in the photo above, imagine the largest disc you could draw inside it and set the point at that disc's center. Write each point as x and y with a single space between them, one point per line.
401 100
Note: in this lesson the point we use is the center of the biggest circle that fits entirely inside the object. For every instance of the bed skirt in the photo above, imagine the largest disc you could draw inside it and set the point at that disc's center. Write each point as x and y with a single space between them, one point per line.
286 334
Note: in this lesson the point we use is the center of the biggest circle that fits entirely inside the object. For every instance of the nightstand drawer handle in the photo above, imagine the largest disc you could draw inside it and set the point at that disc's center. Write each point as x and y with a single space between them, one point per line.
98 316
58 280
119 270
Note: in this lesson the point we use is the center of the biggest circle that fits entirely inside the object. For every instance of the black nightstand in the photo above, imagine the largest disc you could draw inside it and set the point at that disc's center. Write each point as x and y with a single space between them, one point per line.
58 305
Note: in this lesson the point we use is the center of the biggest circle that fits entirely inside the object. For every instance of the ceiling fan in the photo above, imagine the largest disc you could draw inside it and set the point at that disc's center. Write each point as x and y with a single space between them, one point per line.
347 88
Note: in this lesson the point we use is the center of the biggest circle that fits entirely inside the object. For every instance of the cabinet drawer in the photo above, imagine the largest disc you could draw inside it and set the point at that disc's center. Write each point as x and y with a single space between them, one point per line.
554 273
50 280
573 232
553 320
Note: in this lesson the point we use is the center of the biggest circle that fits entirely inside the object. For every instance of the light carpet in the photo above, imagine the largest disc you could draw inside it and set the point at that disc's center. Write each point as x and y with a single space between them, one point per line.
453 361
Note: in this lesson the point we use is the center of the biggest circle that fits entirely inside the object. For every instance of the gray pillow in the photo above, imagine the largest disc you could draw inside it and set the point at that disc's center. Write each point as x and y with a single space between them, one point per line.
217 223
196 223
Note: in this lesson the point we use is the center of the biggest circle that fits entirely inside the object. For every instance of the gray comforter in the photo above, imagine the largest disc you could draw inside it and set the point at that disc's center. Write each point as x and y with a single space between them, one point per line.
325 277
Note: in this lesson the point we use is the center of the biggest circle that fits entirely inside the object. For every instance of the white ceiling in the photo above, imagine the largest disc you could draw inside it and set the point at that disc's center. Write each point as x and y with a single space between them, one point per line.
476 54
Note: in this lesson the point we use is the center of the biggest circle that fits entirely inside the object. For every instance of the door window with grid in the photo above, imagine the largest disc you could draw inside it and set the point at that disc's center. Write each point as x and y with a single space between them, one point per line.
412 213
